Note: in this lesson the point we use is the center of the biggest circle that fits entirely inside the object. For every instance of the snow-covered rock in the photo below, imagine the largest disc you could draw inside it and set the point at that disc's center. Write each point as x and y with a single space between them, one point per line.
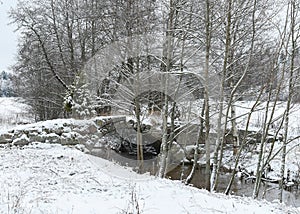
6 138
62 131
52 138
21 141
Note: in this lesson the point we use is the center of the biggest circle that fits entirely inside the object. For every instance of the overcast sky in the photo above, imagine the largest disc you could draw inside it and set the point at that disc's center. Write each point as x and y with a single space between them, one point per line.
8 39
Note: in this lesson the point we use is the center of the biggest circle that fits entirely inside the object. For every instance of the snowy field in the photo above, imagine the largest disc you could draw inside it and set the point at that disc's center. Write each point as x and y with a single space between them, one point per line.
50 178
13 112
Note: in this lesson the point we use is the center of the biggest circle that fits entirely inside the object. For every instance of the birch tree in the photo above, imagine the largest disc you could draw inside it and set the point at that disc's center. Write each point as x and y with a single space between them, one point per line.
294 36
237 65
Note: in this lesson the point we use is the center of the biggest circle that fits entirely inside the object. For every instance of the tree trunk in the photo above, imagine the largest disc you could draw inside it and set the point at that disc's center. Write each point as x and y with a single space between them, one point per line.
166 66
220 133
294 38
197 147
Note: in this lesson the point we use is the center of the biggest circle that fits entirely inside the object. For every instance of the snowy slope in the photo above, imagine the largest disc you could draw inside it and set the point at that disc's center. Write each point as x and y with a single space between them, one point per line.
50 178
257 117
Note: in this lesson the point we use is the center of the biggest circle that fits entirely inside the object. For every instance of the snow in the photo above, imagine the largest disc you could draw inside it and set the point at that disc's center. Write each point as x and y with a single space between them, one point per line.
50 178
12 112
257 120
257 117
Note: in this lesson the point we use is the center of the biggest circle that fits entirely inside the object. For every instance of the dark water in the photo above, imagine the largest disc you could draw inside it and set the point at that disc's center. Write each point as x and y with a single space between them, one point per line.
268 191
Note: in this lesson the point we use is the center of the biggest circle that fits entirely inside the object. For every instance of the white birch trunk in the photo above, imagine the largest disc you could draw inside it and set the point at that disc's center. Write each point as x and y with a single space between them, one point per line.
294 37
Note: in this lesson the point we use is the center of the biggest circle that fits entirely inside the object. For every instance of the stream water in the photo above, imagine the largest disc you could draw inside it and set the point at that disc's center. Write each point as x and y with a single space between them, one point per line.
268 191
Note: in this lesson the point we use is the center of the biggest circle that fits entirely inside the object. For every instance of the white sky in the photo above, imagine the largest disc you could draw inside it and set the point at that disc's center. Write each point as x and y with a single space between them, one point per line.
8 39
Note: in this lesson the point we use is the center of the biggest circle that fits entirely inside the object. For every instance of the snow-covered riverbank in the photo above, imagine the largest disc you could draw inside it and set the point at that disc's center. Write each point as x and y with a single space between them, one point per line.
50 178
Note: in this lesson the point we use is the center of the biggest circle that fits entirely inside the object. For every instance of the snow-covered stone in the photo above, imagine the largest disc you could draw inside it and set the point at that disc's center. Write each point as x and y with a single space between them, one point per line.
53 138
190 150
21 141
176 153
6 138
71 138
38 138
62 131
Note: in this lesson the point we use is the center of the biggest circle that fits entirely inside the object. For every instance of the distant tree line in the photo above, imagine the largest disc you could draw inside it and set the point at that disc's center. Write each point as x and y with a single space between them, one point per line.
6 86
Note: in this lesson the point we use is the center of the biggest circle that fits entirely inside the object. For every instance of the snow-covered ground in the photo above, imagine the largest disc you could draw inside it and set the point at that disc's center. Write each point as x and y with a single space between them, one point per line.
293 148
258 116
50 178
12 112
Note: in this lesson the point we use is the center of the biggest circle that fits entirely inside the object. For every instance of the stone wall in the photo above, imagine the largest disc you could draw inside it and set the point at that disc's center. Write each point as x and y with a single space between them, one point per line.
66 132
96 136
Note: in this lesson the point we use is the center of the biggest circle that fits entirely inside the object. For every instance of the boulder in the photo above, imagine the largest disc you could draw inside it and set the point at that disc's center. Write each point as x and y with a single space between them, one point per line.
88 129
22 141
71 138
176 153
89 144
6 138
38 138
52 138
58 130
190 150
91 129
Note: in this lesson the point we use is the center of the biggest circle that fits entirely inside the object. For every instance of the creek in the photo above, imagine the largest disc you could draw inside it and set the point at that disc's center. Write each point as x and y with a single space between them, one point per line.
268 191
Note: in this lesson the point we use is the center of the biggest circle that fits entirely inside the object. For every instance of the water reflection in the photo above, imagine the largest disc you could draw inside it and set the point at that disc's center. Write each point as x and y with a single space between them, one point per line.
268 191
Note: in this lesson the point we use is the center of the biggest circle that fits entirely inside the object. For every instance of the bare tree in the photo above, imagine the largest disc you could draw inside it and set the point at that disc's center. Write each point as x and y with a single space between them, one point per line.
294 36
